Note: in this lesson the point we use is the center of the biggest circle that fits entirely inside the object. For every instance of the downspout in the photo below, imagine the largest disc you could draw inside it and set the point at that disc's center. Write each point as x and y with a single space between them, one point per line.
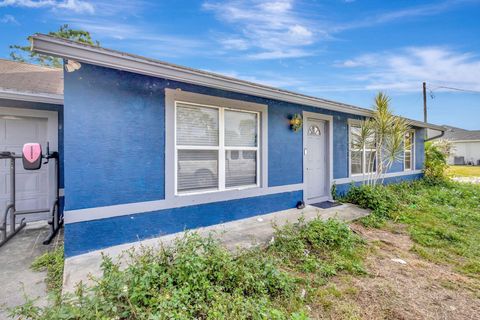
435 137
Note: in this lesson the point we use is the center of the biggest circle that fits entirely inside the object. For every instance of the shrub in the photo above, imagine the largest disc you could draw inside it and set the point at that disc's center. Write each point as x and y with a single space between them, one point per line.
324 247
435 162
194 279
378 198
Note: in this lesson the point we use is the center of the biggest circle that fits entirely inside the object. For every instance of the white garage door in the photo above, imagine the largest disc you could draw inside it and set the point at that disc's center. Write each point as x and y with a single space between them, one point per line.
31 186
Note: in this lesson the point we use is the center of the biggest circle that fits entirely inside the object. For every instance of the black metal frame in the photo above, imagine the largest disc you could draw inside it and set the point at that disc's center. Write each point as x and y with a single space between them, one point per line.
56 219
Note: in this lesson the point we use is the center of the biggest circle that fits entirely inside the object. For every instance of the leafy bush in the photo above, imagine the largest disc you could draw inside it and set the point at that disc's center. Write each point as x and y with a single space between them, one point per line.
435 162
194 279
52 262
378 198
324 247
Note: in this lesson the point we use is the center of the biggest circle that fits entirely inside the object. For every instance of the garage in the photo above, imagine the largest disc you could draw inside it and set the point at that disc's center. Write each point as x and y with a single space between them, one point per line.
31 110
34 189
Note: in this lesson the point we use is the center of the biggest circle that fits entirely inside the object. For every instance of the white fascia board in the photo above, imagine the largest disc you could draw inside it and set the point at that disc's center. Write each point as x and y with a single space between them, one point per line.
118 60
31 96
464 141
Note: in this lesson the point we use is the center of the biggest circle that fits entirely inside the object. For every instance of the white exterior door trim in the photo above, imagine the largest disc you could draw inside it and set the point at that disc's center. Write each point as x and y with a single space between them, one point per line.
329 147
52 137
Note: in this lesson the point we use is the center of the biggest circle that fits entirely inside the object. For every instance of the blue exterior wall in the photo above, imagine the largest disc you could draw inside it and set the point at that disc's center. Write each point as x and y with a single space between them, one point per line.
114 138
115 141
419 156
91 235
115 154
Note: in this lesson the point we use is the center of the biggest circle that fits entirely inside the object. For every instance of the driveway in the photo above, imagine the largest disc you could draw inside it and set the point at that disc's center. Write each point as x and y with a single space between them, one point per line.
16 256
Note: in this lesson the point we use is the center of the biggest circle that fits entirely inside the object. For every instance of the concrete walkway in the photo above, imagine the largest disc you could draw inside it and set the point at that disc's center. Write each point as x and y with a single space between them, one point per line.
243 233
16 257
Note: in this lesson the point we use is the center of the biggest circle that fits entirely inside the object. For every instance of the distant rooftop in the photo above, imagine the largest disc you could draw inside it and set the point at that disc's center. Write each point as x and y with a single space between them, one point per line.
25 77
458 134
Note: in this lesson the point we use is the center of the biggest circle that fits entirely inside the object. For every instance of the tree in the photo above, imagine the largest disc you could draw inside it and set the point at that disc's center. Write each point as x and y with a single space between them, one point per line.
384 132
25 54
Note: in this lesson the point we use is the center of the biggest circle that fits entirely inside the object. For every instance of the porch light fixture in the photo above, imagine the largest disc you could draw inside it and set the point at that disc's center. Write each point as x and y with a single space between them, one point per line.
296 122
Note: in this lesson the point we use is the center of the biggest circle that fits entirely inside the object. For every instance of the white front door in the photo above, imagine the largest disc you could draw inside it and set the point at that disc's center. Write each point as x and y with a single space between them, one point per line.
32 186
316 157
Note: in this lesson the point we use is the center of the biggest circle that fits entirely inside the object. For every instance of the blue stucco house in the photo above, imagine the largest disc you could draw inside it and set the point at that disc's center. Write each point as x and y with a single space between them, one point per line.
152 148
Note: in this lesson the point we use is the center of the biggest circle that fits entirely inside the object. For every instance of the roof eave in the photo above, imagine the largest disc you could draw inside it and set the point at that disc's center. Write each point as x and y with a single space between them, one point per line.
464 140
117 60
31 96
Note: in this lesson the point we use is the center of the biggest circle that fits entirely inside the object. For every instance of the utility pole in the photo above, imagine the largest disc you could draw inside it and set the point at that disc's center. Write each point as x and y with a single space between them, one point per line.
424 102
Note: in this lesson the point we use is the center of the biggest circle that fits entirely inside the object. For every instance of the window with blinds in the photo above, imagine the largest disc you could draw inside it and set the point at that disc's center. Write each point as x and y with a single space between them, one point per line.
408 152
216 148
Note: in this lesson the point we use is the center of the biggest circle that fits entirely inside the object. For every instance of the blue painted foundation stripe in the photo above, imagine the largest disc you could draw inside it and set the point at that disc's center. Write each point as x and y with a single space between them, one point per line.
87 236
342 189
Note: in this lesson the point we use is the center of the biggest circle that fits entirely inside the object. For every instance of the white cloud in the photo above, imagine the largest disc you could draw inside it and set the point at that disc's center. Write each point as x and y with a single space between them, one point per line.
27 3
401 14
279 54
360 61
235 44
77 6
7 18
266 78
405 69
141 37
276 6
269 29
276 29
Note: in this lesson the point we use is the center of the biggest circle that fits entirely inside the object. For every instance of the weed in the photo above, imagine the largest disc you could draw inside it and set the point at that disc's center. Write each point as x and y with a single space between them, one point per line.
52 262
196 278
324 247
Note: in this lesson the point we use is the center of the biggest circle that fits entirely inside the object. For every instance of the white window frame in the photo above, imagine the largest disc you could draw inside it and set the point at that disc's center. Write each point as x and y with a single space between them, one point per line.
355 123
221 150
412 152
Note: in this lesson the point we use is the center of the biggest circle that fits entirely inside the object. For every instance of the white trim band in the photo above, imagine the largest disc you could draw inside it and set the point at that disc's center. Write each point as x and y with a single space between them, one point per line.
31 96
72 216
359 178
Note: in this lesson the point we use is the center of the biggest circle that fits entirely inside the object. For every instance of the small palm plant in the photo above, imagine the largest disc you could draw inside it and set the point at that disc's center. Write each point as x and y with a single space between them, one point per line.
385 133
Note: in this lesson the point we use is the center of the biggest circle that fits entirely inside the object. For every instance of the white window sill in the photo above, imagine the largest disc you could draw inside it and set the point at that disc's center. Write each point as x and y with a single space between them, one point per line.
359 175
212 191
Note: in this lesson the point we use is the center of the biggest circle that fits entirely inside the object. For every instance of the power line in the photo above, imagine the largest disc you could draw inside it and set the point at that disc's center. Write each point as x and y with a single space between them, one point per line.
455 89
432 95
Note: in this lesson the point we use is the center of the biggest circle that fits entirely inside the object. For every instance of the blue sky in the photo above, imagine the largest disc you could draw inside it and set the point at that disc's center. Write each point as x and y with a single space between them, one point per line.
343 50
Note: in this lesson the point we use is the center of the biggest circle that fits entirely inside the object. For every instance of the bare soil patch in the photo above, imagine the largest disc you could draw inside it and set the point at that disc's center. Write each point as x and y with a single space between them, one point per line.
417 289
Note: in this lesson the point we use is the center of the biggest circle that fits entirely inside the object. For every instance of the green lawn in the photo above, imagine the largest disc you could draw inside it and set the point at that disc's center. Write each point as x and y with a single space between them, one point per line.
464 171
443 219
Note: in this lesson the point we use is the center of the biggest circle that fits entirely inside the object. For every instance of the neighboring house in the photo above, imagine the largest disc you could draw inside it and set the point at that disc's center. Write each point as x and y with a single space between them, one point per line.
465 146
153 148
31 110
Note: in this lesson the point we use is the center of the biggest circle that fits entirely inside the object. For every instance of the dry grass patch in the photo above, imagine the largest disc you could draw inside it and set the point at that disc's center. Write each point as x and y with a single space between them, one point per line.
418 289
